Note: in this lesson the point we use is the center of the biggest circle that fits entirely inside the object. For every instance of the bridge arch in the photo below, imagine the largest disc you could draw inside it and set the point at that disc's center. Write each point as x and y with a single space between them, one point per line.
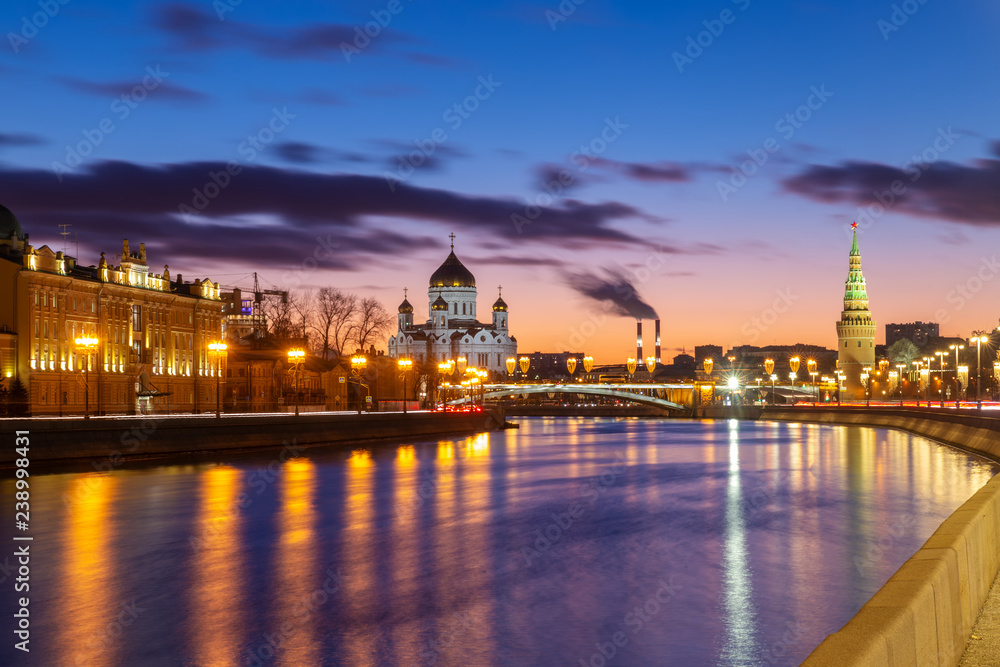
499 391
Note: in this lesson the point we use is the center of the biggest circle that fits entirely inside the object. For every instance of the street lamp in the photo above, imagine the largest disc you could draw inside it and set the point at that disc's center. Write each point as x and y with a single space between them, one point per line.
404 366
218 349
524 363
901 367
811 366
588 363
957 392
631 365
866 378
774 377
461 364
979 339
295 358
571 366
358 364
88 345
447 368
940 356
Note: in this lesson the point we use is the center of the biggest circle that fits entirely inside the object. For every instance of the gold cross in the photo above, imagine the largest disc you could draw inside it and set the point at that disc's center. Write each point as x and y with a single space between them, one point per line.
452 237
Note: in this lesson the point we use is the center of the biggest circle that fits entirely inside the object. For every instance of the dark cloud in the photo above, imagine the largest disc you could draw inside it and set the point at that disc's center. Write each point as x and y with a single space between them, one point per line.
615 289
277 216
18 139
298 152
669 172
196 29
164 89
966 193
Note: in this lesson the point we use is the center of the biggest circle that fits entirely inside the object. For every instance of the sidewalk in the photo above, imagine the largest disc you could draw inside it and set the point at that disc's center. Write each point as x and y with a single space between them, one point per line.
983 648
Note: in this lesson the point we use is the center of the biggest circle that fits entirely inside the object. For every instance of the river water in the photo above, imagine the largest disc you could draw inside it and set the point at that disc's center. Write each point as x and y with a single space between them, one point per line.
566 542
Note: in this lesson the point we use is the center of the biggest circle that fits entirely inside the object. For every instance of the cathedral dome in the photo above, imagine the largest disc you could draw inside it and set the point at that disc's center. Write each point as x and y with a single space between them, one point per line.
11 228
452 273
439 304
499 305
405 307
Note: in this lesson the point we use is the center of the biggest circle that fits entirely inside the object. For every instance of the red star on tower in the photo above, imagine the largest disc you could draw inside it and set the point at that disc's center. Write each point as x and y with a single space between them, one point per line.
854 225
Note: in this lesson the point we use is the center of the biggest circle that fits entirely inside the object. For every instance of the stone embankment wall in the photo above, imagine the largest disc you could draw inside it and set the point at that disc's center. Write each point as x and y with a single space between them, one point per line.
925 613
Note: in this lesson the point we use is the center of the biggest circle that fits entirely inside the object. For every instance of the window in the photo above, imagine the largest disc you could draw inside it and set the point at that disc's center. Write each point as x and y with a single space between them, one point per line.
859 343
136 318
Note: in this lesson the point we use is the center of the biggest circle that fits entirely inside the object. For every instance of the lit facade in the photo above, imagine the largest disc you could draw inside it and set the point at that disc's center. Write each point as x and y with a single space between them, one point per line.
856 329
152 332
452 329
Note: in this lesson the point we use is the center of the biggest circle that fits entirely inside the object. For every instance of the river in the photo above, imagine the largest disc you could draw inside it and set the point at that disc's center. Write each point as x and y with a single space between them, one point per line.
565 542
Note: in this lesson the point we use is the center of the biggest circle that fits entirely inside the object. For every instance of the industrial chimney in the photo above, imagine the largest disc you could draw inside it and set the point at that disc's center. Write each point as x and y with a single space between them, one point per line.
658 359
638 341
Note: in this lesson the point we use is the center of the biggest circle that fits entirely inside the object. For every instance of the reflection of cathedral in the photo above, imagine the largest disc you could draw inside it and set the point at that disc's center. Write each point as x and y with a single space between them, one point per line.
453 329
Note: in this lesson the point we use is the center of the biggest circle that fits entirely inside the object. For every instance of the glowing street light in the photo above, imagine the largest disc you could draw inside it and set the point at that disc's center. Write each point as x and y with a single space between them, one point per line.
866 378
511 366
979 339
708 363
88 345
940 356
218 349
358 364
588 363
769 366
295 358
651 365
404 365
524 363
571 365
957 392
461 364
631 364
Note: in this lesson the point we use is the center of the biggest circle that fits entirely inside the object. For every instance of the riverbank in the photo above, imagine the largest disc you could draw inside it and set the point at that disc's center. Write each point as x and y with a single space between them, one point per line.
120 439
925 613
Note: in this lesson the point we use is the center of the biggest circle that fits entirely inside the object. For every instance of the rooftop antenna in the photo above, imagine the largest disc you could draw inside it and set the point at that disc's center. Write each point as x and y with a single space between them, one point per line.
64 232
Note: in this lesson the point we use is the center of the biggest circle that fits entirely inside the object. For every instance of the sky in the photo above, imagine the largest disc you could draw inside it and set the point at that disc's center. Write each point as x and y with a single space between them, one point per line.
699 160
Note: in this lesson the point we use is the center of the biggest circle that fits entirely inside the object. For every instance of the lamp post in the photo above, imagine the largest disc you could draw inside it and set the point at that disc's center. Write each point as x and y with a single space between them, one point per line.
866 378
769 370
588 364
927 389
811 367
957 392
217 349
940 356
571 366
404 366
901 368
448 367
86 344
774 377
630 365
358 364
295 358
524 363
979 338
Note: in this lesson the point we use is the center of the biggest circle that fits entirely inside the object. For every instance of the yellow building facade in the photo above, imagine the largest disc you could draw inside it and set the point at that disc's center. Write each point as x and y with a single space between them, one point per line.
152 332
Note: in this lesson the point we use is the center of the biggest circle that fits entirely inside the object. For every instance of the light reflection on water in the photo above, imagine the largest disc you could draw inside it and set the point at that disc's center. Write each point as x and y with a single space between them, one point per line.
544 545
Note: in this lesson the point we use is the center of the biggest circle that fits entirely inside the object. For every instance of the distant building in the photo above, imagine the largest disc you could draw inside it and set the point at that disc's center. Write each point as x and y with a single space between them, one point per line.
918 332
856 328
152 332
452 329
702 352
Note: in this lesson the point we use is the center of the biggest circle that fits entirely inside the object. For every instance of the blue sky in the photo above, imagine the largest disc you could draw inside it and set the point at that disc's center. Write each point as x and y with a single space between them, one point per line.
889 91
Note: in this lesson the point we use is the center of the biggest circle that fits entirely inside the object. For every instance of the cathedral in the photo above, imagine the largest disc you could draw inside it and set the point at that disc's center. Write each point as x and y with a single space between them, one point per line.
856 328
452 329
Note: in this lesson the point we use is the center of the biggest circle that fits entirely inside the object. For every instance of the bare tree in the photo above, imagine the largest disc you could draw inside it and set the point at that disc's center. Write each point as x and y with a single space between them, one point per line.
285 315
373 321
333 319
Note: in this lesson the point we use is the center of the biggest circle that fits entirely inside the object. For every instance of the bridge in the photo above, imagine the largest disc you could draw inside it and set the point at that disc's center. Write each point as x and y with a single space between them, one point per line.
664 396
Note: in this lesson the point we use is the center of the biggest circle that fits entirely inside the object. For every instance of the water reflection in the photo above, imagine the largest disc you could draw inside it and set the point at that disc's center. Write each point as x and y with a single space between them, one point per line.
762 525
741 645
86 635
217 595
299 592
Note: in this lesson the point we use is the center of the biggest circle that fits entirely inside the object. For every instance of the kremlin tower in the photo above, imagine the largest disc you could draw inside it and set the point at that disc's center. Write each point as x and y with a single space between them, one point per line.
856 328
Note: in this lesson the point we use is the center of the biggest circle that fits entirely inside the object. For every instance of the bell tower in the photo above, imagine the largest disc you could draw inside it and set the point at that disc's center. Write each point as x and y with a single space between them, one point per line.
856 328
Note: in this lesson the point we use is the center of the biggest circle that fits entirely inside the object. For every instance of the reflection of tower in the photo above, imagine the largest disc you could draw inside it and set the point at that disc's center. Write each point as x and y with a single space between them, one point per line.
856 328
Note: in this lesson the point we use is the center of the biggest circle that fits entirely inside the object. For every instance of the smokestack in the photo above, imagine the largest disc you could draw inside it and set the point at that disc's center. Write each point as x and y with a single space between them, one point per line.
658 359
638 341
